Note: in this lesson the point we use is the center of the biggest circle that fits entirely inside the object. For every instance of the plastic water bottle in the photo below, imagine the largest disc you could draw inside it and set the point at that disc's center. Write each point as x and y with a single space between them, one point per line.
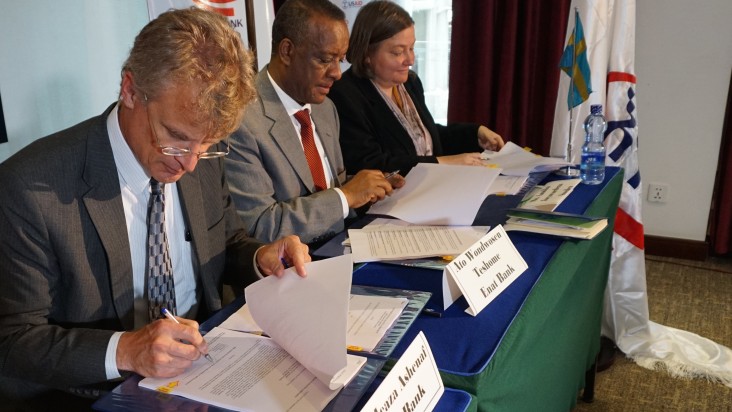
592 166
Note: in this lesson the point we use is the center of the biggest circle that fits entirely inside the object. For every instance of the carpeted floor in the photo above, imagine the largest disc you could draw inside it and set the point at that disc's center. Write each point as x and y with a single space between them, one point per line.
689 295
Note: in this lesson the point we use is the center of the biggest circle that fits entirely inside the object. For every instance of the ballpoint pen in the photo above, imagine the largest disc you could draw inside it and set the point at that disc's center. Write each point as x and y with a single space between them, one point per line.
170 316
392 174
431 312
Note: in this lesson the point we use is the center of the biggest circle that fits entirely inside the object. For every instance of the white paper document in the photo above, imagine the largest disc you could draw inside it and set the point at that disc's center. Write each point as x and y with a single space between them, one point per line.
369 318
413 384
242 321
381 223
548 196
307 316
513 160
388 223
507 185
441 195
409 242
486 269
250 373
301 367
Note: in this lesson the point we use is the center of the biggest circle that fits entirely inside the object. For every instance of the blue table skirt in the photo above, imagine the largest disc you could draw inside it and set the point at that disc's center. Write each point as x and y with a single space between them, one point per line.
452 400
469 351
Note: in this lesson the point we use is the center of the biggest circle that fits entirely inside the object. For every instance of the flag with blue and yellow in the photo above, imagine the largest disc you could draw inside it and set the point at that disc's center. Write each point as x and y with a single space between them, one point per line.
574 63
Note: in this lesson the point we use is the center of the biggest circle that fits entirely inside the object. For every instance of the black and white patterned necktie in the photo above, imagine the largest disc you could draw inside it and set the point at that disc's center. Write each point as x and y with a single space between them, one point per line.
161 289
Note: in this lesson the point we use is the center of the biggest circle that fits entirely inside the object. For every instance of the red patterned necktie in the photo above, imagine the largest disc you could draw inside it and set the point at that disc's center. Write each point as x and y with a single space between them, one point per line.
161 289
311 152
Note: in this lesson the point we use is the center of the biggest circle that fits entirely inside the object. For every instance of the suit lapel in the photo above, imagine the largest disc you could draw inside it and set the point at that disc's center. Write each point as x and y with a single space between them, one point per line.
189 192
282 131
384 114
103 201
326 134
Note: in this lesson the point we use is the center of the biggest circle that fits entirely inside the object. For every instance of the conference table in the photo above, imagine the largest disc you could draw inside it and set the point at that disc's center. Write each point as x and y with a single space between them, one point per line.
129 396
533 347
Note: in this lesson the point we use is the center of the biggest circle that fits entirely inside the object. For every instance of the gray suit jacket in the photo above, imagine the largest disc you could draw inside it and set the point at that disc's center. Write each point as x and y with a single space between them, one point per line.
269 177
66 275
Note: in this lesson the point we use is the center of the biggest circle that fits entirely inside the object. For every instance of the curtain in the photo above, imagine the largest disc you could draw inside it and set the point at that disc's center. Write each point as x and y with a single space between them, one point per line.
721 214
504 67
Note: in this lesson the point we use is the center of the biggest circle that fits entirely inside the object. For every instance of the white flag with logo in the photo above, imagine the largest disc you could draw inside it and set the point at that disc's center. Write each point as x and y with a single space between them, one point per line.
235 11
609 28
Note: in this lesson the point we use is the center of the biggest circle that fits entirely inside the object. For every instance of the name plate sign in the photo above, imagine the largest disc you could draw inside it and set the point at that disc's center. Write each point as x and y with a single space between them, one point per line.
412 385
486 269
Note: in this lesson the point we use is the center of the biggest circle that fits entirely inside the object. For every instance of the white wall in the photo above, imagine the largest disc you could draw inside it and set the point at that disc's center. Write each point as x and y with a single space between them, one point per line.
683 64
60 62
59 65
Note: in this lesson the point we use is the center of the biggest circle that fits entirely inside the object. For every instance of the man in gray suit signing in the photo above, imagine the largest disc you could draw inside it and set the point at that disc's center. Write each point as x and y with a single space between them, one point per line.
277 186
83 276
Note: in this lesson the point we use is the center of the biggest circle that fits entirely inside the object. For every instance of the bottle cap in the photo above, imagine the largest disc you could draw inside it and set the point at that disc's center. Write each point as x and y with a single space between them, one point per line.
596 109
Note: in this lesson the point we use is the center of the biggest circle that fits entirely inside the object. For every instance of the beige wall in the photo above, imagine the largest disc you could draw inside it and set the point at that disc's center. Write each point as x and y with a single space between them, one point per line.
683 64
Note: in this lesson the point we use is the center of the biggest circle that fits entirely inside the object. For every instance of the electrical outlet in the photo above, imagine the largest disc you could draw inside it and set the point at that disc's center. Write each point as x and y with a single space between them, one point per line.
658 192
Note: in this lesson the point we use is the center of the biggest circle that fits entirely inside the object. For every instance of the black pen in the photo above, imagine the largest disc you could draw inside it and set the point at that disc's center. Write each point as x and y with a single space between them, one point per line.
170 316
431 312
392 174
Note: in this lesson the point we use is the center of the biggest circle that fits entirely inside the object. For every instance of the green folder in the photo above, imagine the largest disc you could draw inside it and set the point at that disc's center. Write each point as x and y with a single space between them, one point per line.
555 223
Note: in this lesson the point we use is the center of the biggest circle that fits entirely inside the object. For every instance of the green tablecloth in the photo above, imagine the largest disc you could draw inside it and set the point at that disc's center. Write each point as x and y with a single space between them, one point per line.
541 362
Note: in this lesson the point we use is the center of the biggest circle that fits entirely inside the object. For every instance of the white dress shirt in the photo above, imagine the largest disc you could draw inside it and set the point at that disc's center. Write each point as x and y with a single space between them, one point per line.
292 107
135 187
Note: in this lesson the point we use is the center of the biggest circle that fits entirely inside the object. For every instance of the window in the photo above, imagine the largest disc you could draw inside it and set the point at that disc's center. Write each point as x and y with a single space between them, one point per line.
433 28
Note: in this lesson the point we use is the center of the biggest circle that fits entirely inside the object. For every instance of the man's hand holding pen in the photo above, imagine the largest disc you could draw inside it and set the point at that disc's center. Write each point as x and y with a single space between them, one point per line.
369 186
388 176
167 347
170 317
161 349
275 257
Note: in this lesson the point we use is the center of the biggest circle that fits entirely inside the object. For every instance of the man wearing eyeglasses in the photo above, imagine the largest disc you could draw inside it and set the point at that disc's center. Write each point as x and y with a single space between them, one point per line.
83 276
285 170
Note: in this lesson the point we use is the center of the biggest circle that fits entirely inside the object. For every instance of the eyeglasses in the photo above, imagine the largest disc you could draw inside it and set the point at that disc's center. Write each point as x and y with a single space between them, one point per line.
183 151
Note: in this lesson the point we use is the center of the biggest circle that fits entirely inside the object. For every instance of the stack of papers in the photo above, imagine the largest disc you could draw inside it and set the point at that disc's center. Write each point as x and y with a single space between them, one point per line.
507 185
439 195
396 241
301 367
515 161
250 373
548 196
369 319
555 223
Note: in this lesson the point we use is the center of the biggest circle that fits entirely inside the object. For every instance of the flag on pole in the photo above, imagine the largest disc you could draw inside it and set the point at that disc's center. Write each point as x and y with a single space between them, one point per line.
574 63
610 36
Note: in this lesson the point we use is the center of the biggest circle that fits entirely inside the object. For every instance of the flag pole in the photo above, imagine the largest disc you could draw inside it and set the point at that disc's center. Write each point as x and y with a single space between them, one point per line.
569 170
251 31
